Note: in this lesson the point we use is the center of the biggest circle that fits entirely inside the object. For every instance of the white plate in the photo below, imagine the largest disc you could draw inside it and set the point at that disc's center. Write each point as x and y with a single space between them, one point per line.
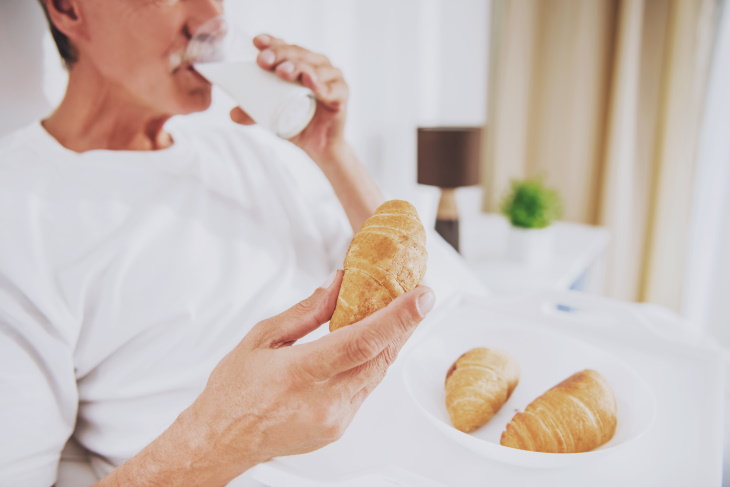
546 357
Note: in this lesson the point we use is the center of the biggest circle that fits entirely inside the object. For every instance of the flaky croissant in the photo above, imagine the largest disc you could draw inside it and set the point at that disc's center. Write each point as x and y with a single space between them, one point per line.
477 386
386 258
577 415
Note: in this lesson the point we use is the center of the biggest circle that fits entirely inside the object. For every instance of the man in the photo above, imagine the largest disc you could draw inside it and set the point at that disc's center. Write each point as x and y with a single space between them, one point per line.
133 260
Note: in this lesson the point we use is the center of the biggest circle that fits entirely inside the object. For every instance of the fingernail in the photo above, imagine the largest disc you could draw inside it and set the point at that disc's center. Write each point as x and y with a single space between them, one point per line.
287 67
263 38
425 302
267 56
329 281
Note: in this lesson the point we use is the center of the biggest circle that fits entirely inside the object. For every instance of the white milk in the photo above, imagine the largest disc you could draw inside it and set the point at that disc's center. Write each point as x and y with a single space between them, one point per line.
283 107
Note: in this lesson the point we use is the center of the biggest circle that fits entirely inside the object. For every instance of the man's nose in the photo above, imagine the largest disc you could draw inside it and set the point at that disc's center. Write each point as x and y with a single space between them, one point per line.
201 11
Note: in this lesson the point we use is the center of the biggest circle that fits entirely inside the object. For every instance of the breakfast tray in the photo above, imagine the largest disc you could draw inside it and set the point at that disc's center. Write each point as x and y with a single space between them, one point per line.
392 442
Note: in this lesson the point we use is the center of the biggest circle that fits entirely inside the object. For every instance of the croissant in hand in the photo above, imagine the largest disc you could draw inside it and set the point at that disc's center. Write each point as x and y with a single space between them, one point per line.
386 258
477 386
577 415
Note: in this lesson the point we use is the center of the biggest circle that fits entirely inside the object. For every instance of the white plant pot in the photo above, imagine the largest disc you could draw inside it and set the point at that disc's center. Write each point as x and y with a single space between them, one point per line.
530 246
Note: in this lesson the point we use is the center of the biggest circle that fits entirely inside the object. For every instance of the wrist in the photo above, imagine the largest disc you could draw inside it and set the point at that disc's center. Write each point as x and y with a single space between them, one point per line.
187 454
215 456
337 154
354 187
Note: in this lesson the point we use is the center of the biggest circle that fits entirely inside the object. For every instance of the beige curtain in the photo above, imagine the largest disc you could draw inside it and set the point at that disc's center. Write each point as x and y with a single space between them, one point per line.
603 99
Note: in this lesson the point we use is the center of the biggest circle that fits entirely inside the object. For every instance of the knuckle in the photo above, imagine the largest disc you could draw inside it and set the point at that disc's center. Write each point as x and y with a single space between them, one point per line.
302 375
280 53
293 51
404 320
260 332
336 99
366 346
305 307
390 354
334 104
356 351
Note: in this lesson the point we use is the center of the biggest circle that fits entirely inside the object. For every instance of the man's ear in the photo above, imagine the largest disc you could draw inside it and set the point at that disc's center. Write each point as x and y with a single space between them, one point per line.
66 16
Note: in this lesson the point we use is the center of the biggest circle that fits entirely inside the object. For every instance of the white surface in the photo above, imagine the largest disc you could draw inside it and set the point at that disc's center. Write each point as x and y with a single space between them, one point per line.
546 357
682 448
485 241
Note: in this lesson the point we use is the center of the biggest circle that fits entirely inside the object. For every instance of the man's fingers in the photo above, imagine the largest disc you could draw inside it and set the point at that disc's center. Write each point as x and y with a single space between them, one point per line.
262 41
278 52
314 70
356 344
302 318
290 61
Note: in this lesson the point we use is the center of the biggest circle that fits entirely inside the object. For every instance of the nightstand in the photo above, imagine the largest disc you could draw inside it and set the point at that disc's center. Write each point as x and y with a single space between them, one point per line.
577 261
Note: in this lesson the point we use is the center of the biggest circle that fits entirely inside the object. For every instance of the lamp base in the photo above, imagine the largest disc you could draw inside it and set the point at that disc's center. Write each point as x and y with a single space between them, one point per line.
447 217
449 229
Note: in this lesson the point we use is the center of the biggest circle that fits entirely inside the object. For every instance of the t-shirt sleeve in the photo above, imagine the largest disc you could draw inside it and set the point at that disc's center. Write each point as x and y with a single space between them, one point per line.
38 395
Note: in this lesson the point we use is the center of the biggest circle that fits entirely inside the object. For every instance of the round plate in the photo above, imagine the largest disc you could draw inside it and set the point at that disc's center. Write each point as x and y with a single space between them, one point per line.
546 357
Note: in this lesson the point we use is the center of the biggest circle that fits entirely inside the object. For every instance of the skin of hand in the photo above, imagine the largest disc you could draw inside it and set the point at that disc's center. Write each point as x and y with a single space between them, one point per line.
269 397
324 136
323 139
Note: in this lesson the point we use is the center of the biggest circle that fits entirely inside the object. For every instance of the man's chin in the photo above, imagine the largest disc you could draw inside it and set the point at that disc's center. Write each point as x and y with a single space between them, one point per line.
197 100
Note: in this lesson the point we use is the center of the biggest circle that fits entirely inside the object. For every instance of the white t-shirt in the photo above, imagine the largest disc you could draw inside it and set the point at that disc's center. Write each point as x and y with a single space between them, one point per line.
126 276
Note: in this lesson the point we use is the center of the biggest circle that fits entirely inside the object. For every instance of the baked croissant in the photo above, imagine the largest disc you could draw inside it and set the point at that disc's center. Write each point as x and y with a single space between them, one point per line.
577 415
477 386
386 258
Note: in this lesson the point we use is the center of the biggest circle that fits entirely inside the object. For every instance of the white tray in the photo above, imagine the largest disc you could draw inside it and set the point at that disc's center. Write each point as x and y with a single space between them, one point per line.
393 443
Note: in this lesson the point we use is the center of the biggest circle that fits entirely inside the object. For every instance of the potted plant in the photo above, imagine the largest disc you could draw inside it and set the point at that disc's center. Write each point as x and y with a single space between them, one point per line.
530 208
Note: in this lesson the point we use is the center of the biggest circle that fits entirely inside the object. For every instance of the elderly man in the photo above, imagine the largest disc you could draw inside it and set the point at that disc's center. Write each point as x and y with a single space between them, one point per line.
134 260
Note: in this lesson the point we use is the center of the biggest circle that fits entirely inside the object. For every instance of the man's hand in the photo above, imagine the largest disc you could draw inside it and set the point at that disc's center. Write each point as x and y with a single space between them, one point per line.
323 139
269 397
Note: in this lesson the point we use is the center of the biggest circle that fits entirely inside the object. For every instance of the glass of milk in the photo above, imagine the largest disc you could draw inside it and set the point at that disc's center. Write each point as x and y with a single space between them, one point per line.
226 57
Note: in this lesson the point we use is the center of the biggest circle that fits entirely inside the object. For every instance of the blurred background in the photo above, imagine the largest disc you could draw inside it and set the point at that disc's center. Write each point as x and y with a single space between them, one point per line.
620 106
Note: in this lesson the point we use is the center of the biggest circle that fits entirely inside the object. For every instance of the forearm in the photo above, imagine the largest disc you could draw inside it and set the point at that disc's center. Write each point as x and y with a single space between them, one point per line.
181 456
353 185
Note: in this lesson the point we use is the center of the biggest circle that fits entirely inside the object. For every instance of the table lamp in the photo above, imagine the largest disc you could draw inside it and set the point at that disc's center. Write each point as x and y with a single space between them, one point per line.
448 158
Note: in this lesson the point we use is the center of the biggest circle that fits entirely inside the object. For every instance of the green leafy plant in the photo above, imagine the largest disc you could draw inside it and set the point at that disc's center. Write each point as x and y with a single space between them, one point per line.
530 204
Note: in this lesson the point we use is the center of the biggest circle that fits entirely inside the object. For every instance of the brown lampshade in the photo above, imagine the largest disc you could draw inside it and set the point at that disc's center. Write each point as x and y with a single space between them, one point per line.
448 157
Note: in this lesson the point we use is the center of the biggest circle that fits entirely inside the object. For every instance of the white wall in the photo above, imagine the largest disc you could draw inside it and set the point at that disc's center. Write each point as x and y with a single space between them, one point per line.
408 63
